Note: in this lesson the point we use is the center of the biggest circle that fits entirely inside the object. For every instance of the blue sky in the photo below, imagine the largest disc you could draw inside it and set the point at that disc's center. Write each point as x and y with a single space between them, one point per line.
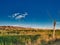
37 13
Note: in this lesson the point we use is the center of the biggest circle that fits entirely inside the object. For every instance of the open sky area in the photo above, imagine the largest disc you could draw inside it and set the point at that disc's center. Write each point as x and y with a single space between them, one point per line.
30 13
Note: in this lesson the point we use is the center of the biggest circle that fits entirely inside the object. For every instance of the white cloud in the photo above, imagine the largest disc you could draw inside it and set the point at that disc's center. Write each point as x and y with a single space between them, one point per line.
15 14
19 15
25 14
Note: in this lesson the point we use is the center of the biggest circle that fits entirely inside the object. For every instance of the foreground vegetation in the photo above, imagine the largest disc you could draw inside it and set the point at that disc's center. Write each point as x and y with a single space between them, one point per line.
28 37
26 40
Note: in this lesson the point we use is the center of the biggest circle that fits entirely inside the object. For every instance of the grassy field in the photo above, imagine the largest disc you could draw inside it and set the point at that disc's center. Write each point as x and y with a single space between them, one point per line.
17 40
28 37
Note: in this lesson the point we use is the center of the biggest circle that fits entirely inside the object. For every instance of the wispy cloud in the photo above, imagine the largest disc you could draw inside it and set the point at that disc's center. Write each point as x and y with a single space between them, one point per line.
14 15
19 15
